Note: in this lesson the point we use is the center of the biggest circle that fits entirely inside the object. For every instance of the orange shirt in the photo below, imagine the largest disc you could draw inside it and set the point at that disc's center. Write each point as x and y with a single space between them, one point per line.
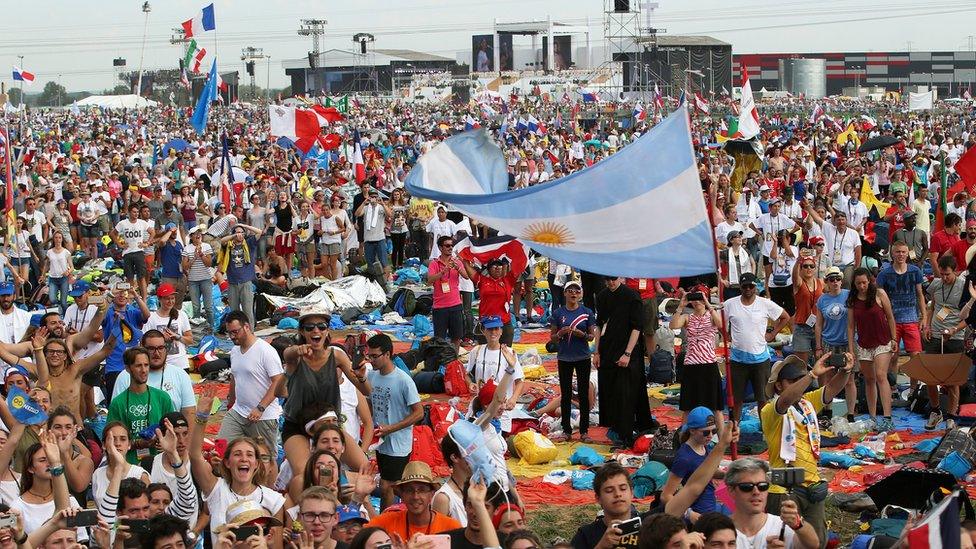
395 522
806 300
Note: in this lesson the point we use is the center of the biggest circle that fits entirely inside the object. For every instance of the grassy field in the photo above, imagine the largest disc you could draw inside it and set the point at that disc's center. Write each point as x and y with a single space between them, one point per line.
551 522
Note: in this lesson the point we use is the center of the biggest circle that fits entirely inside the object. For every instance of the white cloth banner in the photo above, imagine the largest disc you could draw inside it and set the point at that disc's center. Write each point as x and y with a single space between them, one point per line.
920 101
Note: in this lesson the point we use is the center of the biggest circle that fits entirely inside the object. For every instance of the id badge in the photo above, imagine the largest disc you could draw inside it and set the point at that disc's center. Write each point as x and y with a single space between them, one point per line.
445 287
912 255
837 257
642 284
142 453
943 313
811 320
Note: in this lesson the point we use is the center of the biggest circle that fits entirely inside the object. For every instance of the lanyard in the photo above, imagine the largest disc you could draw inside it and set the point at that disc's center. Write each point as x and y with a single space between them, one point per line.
484 363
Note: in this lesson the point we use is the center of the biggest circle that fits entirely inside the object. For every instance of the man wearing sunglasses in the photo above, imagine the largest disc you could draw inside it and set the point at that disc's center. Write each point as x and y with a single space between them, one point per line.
445 274
789 422
748 483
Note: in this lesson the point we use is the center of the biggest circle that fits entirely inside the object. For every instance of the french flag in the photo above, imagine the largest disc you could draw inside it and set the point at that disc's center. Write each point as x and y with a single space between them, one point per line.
470 123
939 528
357 158
21 75
588 96
203 22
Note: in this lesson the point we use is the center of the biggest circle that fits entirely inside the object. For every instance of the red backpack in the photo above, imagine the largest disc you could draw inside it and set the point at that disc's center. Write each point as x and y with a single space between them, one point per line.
455 379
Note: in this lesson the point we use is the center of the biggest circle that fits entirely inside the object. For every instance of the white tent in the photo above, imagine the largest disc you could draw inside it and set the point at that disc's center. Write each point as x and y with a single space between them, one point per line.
130 101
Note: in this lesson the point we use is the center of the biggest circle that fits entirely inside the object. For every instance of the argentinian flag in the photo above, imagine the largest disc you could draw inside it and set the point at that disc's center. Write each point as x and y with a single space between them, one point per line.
638 213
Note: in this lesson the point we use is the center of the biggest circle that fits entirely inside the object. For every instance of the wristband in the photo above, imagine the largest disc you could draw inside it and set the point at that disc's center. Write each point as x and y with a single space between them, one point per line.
626 353
176 465
22 539
261 408
799 523
56 471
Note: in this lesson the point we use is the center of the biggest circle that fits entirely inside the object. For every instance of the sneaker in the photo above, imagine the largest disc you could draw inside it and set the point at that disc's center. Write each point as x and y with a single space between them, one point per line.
950 424
885 425
935 418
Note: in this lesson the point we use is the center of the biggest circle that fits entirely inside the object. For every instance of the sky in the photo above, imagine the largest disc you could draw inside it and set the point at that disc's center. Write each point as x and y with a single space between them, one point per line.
75 42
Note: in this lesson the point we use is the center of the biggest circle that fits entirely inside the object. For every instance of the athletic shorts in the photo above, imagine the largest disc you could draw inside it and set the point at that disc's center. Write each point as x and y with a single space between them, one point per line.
909 334
391 467
134 265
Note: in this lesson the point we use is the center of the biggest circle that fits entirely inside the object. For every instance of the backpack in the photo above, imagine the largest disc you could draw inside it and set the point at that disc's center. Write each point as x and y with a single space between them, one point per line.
661 368
403 302
649 479
455 380
425 447
424 305
437 352
429 382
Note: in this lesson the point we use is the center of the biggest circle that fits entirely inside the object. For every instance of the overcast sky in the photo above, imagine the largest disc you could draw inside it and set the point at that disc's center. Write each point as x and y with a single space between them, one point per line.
78 40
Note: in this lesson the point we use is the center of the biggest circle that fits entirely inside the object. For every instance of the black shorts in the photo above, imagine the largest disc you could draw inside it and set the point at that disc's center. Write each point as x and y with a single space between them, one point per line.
449 322
134 265
90 231
701 385
391 467
290 429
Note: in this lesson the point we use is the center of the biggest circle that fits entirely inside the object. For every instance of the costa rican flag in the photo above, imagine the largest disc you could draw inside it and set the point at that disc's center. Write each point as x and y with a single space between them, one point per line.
939 528
21 75
481 251
639 112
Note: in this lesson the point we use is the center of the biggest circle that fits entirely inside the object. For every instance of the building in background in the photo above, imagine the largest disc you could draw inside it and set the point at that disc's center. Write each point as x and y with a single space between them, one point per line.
342 71
948 72
803 76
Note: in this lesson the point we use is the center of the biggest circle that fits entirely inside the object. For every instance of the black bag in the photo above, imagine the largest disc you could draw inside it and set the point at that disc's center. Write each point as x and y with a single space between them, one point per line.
411 358
424 305
429 382
664 446
403 301
437 352
918 401
953 441
661 369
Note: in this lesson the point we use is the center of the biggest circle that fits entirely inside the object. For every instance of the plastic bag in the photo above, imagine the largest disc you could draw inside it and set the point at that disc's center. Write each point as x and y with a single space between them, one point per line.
471 441
584 455
530 358
835 459
583 479
422 326
534 448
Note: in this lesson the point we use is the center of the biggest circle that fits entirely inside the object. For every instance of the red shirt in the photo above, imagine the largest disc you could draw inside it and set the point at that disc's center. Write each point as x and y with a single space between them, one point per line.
959 252
942 242
495 295
897 220
644 286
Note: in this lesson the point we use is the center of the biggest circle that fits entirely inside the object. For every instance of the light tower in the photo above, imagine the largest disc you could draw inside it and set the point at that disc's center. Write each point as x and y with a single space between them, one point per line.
249 55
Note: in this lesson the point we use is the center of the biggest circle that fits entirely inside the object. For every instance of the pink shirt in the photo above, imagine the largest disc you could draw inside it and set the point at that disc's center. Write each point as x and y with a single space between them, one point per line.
446 292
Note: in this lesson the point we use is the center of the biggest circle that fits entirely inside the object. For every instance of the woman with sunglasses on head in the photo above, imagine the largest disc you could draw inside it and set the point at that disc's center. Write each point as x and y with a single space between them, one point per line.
807 289
701 381
312 372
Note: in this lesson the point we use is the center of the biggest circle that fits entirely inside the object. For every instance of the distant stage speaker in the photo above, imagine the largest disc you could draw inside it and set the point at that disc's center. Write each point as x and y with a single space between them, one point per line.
621 5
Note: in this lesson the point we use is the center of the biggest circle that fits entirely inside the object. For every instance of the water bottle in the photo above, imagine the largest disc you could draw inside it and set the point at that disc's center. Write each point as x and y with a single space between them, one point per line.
840 426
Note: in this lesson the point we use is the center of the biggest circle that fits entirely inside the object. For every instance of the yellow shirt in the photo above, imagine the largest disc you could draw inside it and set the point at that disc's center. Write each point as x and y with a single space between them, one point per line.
772 425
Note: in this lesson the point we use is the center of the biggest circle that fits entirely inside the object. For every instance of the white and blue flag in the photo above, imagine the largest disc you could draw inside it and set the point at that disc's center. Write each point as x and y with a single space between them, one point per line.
639 213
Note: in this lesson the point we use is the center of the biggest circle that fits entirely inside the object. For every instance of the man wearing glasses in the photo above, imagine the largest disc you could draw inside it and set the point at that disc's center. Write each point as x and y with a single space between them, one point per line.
444 275
256 374
748 482
396 408
173 381
789 423
317 513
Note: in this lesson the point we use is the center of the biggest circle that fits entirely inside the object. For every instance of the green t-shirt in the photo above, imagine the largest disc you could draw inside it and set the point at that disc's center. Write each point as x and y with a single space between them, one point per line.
139 411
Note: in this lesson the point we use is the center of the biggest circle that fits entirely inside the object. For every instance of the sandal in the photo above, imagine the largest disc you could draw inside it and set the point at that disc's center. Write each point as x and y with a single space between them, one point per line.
586 439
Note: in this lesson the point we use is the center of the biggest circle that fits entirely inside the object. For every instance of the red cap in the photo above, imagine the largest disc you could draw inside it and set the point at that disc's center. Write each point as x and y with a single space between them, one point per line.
165 289
487 393
971 223
814 240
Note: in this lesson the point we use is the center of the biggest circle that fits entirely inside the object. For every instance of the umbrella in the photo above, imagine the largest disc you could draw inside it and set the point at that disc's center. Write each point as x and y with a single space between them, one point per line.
909 487
596 143
939 369
878 142
179 145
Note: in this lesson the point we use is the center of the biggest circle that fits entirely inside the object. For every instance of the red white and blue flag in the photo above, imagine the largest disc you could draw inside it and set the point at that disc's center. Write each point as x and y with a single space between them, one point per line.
818 113
939 528
639 112
480 251
203 22
359 166
470 123
21 75
658 98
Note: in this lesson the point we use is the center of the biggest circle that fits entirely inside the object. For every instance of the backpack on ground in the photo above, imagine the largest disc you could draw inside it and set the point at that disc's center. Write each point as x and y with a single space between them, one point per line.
661 369
403 302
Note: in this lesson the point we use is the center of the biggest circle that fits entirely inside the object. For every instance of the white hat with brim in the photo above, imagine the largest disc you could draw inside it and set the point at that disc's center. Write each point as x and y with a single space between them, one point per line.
314 310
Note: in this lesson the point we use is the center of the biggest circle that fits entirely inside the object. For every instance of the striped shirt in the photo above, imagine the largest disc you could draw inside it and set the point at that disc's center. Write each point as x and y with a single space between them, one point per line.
184 504
198 271
699 341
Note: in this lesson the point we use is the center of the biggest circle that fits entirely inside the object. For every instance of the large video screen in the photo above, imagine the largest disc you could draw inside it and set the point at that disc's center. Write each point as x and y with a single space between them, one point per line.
506 59
482 53
562 47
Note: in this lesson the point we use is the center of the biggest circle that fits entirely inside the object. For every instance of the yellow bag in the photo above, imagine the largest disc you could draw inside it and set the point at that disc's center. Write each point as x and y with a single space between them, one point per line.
535 372
534 448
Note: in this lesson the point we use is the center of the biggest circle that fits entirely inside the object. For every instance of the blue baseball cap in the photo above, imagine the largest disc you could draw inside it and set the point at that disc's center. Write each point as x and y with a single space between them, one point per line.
6 288
493 321
699 418
348 512
79 288
169 227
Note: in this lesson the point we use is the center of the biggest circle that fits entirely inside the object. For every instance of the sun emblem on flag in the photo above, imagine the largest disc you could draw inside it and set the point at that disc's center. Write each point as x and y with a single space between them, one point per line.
548 233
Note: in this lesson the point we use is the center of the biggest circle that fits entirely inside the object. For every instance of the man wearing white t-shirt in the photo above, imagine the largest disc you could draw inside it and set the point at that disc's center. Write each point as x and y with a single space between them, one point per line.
769 225
256 375
748 482
842 245
748 316
133 235
438 227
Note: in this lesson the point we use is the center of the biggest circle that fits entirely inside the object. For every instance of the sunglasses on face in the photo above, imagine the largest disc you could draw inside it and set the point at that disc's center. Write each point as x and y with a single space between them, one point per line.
748 486
809 267
323 326
834 279
747 286
707 432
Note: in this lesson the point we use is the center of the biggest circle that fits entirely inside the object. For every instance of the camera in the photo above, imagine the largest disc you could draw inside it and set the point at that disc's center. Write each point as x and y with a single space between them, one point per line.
696 296
837 360
787 477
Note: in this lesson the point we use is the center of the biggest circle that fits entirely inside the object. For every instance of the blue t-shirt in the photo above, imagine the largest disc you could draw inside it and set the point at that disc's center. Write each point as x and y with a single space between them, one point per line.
686 461
573 348
240 266
134 319
170 257
393 395
833 309
901 292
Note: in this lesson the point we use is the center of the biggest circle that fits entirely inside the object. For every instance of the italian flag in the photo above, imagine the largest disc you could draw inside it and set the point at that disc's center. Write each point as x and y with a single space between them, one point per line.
194 57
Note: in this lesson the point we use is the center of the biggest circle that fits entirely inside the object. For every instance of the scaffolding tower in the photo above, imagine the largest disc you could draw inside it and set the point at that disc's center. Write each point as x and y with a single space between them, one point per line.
632 39
367 78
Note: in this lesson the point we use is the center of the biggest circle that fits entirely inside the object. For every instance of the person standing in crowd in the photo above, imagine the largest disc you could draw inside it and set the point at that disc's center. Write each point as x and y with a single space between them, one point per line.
945 333
830 330
769 226
236 261
872 320
941 242
170 254
375 213
737 261
440 226
124 321
572 328
748 316
495 294
396 408
780 282
59 271
648 289
789 423
748 483
332 227
916 239
445 274
133 236
620 357
807 289
140 406
256 375
701 381
902 282
173 323
842 246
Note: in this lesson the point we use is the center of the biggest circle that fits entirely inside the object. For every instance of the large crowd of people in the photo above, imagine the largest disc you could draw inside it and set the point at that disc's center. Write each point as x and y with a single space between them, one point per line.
312 446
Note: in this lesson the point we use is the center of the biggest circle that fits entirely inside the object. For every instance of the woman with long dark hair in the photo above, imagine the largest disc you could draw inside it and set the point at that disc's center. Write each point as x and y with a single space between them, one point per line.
873 321
398 226
174 324
779 284
311 371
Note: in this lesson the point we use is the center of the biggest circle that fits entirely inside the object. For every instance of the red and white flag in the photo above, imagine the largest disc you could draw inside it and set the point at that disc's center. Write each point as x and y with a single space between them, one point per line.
700 103
818 113
506 248
748 115
658 98
300 125
867 123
